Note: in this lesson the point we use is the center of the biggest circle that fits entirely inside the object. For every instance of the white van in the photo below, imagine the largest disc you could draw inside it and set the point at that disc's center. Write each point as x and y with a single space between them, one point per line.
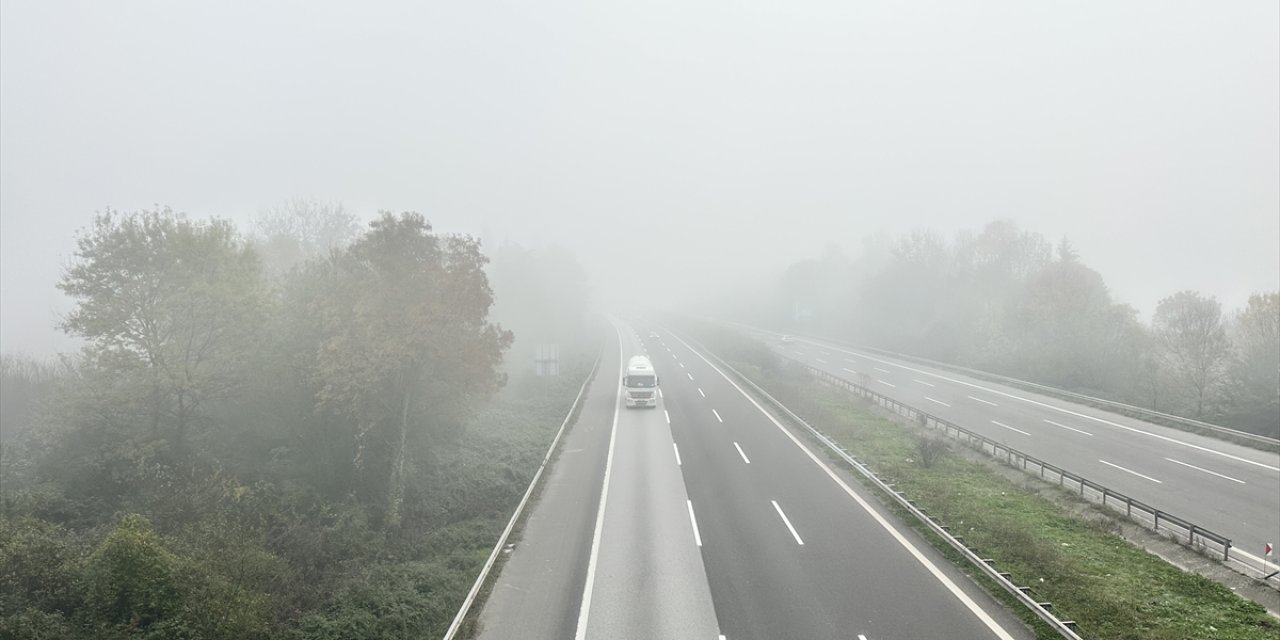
640 385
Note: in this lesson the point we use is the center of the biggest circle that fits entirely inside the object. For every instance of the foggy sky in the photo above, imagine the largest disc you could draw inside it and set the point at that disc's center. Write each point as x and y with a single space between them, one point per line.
673 146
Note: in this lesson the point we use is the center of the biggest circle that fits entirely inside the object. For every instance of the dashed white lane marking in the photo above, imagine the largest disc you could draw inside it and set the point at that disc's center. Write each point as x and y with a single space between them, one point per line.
1112 464
744 456
1069 412
700 392
1212 473
689 374
668 415
821 360
788 523
1001 424
933 569
983 401
697 537
717 415
927 384
887 384
681 365
659 394
677 450
881 370
1059 424
937 401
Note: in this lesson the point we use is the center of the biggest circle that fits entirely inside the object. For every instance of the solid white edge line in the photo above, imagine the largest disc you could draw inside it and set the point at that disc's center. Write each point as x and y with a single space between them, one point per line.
676 448
928 564
1059 424
584 608
1001 424
697 537
1256 560
1066 411
1212 473
744 456
787 522
927 384
1112 464
983 401
937 401
717 415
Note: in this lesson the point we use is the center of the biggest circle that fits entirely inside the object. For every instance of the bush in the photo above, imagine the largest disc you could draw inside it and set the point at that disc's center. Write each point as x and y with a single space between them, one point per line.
930 450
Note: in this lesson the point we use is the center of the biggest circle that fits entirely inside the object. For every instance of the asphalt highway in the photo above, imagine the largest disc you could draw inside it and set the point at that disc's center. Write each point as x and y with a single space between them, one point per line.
705 518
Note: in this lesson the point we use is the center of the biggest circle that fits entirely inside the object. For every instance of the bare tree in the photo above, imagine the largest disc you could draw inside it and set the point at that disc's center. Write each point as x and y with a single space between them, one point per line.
1193 341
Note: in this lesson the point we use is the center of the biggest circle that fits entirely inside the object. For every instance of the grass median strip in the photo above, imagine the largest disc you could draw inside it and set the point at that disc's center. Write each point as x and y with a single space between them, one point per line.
1111 588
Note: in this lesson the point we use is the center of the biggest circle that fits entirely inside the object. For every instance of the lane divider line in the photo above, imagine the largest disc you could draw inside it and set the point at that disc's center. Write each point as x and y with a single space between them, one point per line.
677 450
668 415
1212 473
927 384
717 415
584 609
1112 464
744 456
787 522
983 401
924 561
1001 424
887 384
937 401
697 537
1059 424
700 392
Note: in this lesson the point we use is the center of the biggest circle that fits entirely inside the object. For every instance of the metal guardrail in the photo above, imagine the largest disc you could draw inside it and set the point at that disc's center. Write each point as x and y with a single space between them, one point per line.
1194 535
1156 417
1042 610
515 517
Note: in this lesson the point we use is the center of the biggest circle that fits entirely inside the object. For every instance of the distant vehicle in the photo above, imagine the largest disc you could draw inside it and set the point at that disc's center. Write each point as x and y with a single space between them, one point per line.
788 338
640 385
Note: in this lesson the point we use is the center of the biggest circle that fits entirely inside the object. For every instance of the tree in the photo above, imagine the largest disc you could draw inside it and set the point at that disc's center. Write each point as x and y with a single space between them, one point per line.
1255 370
1193 341
407 343
302 229
170 309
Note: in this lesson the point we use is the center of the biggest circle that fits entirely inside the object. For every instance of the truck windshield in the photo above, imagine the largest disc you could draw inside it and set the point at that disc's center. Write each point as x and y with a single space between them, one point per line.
639 381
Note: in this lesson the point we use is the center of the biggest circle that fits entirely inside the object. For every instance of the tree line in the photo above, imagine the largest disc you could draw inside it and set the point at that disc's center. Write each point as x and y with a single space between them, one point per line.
252 424
1009 301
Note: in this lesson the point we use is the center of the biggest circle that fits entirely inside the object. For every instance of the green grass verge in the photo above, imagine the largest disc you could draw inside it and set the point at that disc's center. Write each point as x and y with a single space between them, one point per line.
1109 587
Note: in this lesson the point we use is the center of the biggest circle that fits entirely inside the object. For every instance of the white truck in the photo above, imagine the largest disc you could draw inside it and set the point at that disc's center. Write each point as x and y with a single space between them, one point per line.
640 384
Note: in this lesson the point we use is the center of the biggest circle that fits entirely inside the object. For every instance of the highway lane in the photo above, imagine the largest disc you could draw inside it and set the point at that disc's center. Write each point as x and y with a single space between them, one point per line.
791 548
608 550
704 519
645 577
537 591
1229 488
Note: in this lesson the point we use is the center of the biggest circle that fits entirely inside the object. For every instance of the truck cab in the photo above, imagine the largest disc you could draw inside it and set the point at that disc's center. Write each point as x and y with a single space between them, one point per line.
640 384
